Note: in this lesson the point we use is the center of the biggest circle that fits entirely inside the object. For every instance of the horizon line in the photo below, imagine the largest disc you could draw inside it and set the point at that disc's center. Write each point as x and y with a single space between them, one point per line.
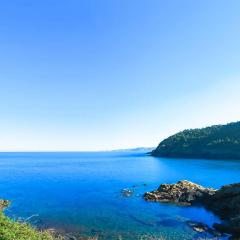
66 151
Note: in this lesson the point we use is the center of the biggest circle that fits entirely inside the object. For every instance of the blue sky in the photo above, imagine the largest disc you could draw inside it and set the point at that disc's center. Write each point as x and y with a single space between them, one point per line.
97 75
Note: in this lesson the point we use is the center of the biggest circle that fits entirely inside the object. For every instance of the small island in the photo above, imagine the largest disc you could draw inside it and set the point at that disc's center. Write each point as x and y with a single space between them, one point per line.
215 142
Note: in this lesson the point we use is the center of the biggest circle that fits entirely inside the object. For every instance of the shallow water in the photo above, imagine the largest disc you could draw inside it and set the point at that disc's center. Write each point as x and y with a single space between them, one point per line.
80 193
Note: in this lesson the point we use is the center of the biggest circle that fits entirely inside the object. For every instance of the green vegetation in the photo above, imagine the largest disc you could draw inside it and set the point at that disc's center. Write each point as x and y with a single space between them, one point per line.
11 230
215 142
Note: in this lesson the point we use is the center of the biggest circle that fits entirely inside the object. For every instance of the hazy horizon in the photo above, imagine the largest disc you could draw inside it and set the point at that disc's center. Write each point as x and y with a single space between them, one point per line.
80 151
93 75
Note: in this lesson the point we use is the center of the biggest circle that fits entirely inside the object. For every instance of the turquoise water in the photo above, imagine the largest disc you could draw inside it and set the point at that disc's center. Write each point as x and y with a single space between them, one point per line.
80 193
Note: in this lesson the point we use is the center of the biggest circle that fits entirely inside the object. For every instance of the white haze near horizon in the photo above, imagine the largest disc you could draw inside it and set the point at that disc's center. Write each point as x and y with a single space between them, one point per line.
217 104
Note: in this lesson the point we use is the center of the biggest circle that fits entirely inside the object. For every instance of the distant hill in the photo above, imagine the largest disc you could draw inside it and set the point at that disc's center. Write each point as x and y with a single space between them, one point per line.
138 149
215 142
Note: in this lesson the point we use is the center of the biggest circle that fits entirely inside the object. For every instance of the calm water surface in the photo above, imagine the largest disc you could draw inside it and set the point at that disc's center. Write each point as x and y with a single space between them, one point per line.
80 193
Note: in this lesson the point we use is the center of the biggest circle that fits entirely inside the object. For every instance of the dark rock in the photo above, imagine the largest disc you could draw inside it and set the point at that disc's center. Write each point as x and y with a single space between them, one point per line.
198 226
203 228
226 202
227 228
183 192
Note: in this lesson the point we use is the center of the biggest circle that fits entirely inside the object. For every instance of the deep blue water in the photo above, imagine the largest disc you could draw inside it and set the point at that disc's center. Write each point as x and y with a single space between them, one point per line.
81 192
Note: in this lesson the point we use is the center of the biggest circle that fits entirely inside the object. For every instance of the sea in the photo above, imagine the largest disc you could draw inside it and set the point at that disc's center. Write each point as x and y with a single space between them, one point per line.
83 194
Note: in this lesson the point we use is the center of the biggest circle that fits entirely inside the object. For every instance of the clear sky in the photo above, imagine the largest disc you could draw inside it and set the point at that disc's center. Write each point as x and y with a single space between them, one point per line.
98 75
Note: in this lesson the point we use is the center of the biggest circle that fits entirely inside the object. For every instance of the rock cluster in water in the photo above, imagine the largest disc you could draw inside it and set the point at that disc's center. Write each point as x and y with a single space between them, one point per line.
183 192
224 202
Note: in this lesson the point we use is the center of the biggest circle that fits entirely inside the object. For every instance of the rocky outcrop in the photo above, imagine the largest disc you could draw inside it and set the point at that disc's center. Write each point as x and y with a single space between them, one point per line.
183 193
224 202
4 204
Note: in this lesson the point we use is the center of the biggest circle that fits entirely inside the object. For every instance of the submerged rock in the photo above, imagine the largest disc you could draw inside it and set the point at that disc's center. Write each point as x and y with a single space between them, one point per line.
183 192
127 192
198 226
203 228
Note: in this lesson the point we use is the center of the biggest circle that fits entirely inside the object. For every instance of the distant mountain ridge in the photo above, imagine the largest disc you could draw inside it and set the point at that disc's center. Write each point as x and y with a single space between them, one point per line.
215 142
137 149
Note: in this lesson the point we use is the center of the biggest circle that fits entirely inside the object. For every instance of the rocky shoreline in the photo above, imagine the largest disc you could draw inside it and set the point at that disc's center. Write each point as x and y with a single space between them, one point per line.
224 202
3 204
